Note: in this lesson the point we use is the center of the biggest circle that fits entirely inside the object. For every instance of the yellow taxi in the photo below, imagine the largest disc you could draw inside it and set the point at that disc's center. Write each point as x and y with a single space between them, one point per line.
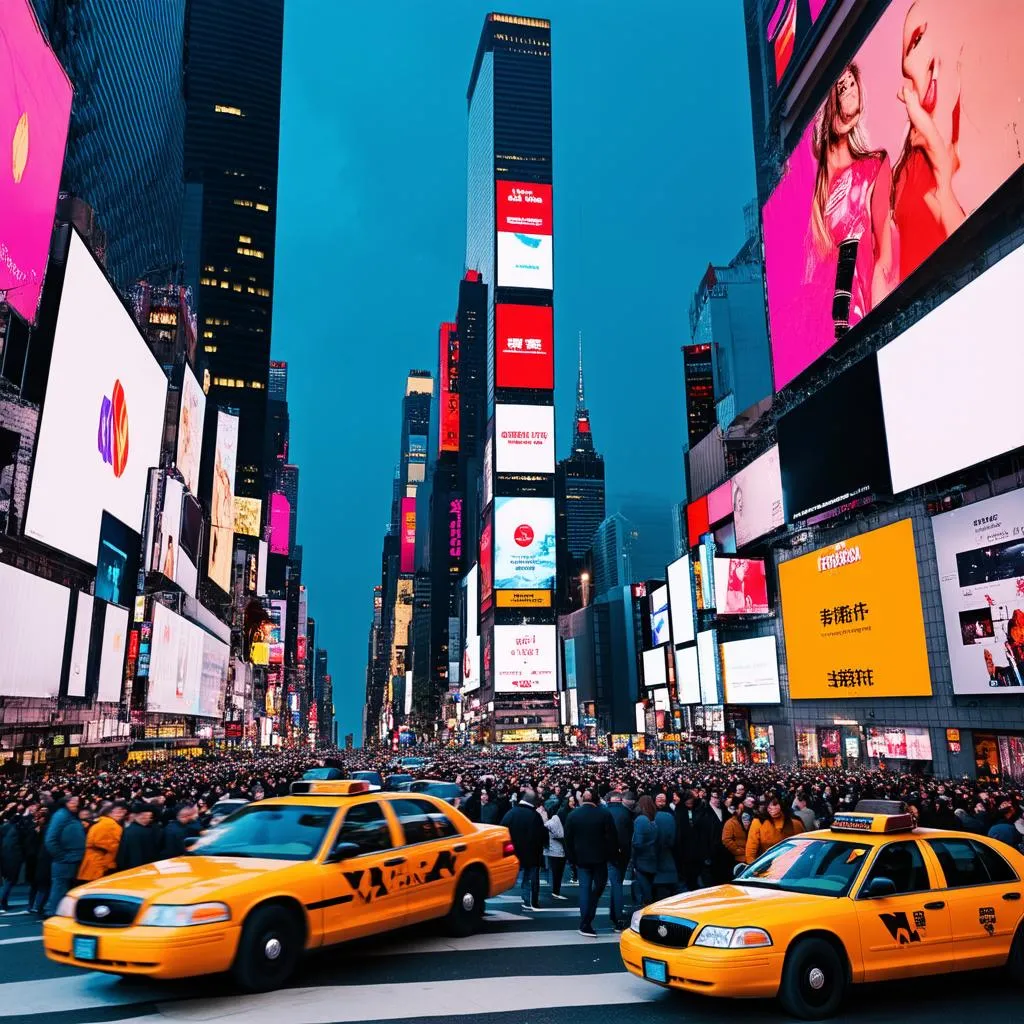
870 899
333 861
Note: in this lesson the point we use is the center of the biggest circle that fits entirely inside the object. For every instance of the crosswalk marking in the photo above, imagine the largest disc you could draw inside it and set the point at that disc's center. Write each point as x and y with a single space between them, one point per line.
26 938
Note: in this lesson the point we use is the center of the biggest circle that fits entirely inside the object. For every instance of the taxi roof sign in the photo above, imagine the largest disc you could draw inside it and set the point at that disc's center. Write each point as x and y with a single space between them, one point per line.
878 816
330 787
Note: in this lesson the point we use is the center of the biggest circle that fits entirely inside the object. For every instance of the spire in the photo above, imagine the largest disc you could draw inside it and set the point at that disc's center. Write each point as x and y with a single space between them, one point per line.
580 400
582 440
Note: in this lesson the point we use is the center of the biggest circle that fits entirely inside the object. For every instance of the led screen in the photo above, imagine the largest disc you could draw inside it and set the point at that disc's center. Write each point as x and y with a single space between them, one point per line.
853 620
740 586
788 33
720 503
980 555
33 626
191 417
930 429
408 536
471 665
486 565
79 669
280 523
222 501
190 545
911 744
488 471
750 671
687 675
524 347
570 663
117 562
115 637
655 673
187 669
659 616
261 569
448 396
524 226
757 506
681 601
248 516
525 659
525 438
524 541
102 420
919 130
35 108
697 523
166 547
707 664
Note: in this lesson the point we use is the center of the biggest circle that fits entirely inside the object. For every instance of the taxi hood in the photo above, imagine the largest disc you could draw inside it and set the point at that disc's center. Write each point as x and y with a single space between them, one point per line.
735 905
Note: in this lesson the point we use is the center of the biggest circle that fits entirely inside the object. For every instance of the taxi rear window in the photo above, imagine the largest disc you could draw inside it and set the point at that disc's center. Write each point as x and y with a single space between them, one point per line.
823 867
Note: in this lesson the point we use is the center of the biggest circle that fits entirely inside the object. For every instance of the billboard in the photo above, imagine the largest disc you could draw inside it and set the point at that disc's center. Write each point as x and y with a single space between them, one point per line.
261 569
680 592
788 34
853 620
979 550
33 625
741 587
486 564
525 659
659 616
488 472
280 523
525 438
757 506
524 225
407 533
166 554
248 516
187 668
707 665
471 632
687 675
655 672
697 522
222 501
524 542
930 430
191 417
102 419
112 654
750 671
35 110
455 529
79 668
893 742
524 347
921 127
524 599
448 393
720 503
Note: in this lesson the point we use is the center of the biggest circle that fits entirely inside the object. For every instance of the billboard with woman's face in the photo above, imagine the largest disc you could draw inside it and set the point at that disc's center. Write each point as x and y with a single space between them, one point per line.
921 127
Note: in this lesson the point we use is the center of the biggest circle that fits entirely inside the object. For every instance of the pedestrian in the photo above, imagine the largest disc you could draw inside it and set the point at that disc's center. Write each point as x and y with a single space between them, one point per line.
555 850
65 843
102 842
645 849
489 811
734 835
618 863
775 825
140 843
185 826
802 811
528 838
1005 829
666 878
14 838
716 863
590 843
688 852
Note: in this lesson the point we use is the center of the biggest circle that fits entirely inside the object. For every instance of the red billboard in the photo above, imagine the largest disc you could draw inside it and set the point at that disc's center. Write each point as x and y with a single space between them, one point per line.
486 567
524 206
408 534
697 522
448 366
523 345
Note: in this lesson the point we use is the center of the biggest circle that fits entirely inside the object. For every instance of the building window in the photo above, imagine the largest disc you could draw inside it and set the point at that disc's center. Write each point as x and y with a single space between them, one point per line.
243 202
263 207
237 287
225 284
245 239
211 269
221 108
258 254
264 292
209 348
207 334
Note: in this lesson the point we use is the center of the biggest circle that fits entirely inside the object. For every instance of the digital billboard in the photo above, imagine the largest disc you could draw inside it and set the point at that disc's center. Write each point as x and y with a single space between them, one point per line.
191 417
79 668
33 625
788 33
280 523
407 533
921 127
524 543
708 668
471 631
853 620
659 616
697 523
720 503
524 599
687 675
524 225
979 550
757 506
455 529
655 672
187 668
750 671
166 549
741 587
680 591
524 347
896 742
525 659
35 110
117 562
525 438
112 654
102 419
448 393
248 516
488 471
261 568
222 501
486 565
930 429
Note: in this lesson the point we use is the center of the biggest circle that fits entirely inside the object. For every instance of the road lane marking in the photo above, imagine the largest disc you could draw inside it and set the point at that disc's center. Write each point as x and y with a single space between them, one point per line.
504 940
27 938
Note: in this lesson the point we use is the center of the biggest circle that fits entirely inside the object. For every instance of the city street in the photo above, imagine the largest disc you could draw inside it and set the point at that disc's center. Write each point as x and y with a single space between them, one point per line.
521 963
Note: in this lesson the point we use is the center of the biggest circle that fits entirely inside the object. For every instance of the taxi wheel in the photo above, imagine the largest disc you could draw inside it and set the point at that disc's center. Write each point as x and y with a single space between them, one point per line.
468 906
268 950
1015 964
813 980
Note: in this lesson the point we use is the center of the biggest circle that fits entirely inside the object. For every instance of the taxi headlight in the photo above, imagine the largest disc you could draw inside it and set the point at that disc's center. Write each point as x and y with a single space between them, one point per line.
66 907
634 922
732 938
162 915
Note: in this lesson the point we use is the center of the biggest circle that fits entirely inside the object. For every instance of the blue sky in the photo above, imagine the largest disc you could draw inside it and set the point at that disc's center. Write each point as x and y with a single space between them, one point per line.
652 166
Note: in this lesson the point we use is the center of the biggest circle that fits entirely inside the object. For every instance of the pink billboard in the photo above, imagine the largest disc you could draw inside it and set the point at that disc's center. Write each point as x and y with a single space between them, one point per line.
280 523
408 535
922 126
35 108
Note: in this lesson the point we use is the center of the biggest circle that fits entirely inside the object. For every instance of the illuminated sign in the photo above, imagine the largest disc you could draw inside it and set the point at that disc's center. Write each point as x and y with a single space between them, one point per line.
524 347
408 533
448 361
524 228
524 599
248 515
524 533
455 528
222 501
525 659
525 438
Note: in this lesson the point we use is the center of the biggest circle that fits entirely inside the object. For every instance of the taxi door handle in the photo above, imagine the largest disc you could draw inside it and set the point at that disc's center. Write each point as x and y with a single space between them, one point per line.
938 905
1011 896
460 848
394 862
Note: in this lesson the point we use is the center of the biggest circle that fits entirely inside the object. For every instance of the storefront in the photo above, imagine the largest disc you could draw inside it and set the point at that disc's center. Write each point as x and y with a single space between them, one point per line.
999 756
849 744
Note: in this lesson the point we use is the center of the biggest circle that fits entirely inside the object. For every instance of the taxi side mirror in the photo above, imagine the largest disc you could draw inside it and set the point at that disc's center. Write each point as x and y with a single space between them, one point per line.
343 851
880 887
190 842
738 870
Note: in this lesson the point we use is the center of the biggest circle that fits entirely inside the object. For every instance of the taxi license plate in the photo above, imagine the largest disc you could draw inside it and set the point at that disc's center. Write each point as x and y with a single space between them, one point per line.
85 947
656 970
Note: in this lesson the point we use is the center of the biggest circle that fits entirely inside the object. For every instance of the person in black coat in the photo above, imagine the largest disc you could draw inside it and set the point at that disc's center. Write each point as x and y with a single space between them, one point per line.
140 843
622 822
716 862
184 826
590 843
689 851
529 837
13 840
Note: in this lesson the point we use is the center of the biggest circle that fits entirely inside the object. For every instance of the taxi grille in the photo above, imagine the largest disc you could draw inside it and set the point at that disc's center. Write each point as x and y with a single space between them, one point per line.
667 931
120 911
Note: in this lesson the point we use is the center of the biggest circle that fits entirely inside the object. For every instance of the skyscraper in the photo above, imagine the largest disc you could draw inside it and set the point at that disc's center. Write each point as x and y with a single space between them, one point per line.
699 384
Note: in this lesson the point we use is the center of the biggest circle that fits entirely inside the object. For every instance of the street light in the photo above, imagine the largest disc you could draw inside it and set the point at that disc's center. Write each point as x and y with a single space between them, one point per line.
585 587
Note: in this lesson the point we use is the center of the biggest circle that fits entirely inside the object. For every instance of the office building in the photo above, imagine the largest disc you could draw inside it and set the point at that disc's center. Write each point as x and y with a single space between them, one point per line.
699 388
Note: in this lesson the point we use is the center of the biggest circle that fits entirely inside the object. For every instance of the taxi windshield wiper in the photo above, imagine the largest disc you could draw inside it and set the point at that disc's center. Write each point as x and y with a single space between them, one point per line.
219 853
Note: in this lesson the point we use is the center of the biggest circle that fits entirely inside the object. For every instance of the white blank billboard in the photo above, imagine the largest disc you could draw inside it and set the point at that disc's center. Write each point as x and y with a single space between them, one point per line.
681 601
750 671
115 638
80 646
687 676
525 438
707 662
103 417
655 673
33 627
187 667
525 659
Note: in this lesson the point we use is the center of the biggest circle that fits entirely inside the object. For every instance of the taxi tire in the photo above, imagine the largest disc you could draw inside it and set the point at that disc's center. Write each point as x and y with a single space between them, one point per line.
255 969
1015 961
813 998
463 920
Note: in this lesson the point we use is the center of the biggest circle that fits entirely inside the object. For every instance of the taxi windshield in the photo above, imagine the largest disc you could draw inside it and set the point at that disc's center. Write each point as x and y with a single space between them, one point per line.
277 832
821 867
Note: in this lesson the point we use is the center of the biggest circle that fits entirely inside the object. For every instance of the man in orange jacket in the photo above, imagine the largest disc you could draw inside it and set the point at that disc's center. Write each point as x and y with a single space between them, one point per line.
102 842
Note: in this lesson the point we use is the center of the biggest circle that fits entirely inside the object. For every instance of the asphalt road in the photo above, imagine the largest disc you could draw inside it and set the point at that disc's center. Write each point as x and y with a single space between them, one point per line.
522 966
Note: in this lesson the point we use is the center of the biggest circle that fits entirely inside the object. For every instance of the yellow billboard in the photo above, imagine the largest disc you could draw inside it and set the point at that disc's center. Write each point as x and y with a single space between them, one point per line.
524 598
852 618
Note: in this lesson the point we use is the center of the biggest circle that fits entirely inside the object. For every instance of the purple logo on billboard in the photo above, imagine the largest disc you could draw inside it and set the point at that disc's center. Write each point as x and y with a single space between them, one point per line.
112 433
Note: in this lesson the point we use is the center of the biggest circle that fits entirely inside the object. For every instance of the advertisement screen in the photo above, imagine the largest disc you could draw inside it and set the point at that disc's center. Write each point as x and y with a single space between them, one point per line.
788 33
687 675
448 394
35 109
524 235
524 347
187 669
115 637
930 430
261 569
248 516
750 671
280 523
707 664
979 551
680 592
222 501
117 562
910 744
190 546
832 445
740 586
659 617
853 620
31 608
191 417
655 673
455 529
78 673
720 503
471 632
166 547
570 663
757 506
697 522
524 542
488 471
525 659
921 127
102 420
525 438
486 565
408 536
